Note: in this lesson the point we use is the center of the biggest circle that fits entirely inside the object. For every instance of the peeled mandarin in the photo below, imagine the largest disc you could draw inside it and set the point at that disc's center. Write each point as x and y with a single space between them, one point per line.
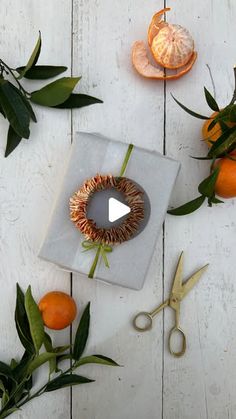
173 46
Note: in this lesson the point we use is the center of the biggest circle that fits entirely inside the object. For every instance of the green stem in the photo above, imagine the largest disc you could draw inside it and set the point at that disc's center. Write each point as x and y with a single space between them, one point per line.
126 160
15 78
95 262
42 389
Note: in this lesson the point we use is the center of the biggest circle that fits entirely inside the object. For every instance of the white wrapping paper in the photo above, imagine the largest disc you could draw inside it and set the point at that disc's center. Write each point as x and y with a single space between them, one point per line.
129 262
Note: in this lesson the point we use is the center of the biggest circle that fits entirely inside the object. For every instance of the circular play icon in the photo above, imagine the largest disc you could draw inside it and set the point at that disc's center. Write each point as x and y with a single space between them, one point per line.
109 208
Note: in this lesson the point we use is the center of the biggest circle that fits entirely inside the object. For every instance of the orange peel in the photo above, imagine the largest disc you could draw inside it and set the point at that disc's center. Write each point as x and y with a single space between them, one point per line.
172 47
143 66
156 24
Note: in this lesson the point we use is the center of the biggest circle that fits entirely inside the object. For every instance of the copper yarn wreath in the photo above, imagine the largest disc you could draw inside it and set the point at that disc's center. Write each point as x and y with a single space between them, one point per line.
79 203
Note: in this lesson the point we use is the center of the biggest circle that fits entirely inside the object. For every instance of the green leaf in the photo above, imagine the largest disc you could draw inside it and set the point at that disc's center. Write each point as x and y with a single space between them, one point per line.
14 109
211 101
8 412
49 348
35 320
207 186
42 72
20 371
26 102
189 207
13 140
212 124
13 364
66 381
33 58
82 333
201 158
21 320
215 200
6 371
196 115
2 111
78 100
40 360
96 359
56 92
5 398
223 143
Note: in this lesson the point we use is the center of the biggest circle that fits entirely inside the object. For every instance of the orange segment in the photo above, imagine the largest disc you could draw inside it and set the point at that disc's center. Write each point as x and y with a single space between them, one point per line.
156 24
143 66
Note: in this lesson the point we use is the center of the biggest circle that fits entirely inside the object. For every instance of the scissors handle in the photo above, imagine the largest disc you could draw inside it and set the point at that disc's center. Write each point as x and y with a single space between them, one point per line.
147 317
183 349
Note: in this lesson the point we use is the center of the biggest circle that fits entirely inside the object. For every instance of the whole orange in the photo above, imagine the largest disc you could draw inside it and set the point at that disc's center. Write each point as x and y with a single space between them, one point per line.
58 310
226 181
215 132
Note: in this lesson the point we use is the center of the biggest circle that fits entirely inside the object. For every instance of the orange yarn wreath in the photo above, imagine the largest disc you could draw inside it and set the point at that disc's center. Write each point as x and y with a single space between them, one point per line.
115 235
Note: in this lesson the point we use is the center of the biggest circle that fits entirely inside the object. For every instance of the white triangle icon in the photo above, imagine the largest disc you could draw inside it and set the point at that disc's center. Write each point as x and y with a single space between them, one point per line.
117 210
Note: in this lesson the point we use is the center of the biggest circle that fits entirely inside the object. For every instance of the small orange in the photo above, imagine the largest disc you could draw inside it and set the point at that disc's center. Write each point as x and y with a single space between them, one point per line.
215 132
225 186
58 310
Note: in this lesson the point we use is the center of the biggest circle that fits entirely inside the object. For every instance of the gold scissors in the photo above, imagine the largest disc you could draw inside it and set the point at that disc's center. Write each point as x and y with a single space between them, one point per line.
178 292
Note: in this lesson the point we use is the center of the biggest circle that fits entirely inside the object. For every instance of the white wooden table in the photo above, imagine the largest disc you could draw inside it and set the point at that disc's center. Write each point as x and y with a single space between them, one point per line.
93 38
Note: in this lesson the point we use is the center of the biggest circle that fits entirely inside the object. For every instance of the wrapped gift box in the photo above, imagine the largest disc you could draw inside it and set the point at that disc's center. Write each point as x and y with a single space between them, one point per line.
129 261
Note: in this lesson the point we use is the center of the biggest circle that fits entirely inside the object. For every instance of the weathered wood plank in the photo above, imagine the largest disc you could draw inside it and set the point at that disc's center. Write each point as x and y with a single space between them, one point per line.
201 384
132 112
29 179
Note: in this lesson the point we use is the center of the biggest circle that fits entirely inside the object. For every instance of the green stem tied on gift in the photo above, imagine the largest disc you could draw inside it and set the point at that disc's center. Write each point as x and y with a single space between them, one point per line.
102 249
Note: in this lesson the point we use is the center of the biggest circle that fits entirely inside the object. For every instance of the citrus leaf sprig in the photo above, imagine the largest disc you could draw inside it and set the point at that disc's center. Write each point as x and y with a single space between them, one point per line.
15 100
222 147
17 378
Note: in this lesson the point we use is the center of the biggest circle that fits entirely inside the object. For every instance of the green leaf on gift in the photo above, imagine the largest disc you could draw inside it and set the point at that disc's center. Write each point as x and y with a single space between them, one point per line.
189 207
13 140
78 100
42 72
55 93
66 381
82 333
33 58
207 186
14 108
211 101
35 320
21 321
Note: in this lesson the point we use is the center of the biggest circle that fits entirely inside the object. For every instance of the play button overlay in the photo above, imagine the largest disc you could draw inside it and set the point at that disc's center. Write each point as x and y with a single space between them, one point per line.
117 210
108 209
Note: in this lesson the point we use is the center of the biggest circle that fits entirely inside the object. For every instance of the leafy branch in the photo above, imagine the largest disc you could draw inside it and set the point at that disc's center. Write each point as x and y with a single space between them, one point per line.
222 147
15 100
17 378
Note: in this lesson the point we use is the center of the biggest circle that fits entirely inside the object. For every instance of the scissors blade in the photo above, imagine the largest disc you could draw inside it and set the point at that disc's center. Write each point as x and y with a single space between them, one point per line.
177 283
189 284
